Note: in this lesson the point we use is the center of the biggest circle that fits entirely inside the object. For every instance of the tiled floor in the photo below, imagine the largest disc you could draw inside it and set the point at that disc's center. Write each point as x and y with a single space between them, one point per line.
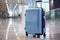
13 29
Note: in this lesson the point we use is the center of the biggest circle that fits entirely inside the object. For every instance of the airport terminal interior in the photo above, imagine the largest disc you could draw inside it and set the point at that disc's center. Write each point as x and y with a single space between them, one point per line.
13 15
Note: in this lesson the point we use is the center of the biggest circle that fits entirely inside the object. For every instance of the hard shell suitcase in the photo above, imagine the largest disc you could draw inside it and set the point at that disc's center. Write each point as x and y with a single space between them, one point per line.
35 22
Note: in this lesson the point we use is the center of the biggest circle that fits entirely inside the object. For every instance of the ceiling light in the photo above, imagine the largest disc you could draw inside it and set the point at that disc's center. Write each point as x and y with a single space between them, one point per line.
6 1
15 6
18 1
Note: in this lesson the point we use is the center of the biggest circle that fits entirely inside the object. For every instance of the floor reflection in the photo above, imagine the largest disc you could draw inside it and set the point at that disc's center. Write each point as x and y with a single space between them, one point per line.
13 29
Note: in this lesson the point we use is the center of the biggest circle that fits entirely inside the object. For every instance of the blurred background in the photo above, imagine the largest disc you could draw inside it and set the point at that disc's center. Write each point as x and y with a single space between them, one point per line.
12 19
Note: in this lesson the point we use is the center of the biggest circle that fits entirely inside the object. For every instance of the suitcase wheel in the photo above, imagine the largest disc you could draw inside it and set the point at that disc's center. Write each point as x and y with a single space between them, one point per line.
44 35
26 34
34 36
38 36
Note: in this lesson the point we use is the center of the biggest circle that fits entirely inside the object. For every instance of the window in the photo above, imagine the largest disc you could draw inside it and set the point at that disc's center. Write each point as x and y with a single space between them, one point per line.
45 5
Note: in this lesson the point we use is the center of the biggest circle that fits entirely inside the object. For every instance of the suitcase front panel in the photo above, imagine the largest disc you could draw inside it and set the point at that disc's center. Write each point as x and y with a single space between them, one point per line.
31 21
34 21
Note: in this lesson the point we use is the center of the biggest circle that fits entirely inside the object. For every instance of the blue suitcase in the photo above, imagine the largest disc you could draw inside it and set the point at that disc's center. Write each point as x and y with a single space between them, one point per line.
34 22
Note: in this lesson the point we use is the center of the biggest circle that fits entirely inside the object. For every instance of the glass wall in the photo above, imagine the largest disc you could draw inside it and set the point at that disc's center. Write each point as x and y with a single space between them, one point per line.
54 20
